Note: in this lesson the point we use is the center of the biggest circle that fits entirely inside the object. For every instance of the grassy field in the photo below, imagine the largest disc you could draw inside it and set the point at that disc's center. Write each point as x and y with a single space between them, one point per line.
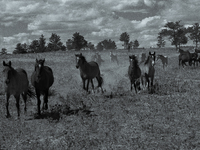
167 119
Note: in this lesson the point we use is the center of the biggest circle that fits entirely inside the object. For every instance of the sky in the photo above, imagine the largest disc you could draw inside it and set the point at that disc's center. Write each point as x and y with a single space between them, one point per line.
22 21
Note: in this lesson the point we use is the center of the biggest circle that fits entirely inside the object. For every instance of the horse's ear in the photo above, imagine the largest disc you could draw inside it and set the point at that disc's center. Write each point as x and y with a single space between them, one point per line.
9 63
149 53
4 64
43 60
129 56
36 60
154 53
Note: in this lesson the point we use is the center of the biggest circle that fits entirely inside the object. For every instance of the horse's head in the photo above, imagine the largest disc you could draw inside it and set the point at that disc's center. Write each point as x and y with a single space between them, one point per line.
7 72
38 67
133 60
158 57
80 59
152 58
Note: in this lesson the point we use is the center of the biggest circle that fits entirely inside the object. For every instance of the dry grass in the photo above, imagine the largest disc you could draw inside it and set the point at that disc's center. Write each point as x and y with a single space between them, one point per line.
167 119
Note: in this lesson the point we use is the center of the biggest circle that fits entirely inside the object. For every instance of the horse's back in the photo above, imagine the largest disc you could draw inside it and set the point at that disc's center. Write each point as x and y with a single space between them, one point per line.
90 70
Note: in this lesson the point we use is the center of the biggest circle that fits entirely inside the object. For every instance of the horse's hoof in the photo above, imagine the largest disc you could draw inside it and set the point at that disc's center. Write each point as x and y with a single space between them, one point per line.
8 116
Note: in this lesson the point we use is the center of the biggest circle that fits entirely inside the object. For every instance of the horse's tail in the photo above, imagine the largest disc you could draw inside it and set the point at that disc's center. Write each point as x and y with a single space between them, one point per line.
100 81
31 92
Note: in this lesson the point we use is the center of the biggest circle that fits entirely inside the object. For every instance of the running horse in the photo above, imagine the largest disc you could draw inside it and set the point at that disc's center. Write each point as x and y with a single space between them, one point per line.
113 58
164 60
134 72
148 70
88 71
42 79
15 83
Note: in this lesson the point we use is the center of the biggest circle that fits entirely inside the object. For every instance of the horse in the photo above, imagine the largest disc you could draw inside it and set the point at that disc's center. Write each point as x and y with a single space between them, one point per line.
194 58
148 70
185 57
164 60
97 58
88 71
113 58
42 79
134 72
15 83
143 57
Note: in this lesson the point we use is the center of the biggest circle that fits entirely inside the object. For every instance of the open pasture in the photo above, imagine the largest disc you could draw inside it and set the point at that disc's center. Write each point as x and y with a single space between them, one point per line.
117 119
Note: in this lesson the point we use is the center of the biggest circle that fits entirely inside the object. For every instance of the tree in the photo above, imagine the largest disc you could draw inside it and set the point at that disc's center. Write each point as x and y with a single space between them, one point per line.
124 37
20 48
34 46
90 46
55 43
194 33
131 44
161 41
175 32
69 44
136 44
42 44
100 46
78 41
108 44
3 51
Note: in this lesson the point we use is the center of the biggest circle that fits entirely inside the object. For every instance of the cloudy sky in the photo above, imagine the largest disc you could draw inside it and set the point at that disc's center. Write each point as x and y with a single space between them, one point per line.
22 21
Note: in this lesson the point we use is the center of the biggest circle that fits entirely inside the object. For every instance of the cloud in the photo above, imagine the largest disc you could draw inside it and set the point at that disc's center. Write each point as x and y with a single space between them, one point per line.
95 20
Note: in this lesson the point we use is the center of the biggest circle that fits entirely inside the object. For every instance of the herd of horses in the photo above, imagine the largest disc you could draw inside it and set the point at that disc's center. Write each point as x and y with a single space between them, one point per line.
140 74
191 58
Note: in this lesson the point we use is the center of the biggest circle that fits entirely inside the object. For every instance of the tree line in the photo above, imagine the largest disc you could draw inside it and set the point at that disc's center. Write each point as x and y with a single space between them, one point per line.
179 35
77 42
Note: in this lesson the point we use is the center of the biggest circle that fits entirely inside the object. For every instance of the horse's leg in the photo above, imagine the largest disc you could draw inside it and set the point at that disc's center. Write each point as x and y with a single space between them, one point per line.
7 104
142 82
24 96
147 79
17 97
135 87
88 81
45 101
38 100
83 84
131 86
92 85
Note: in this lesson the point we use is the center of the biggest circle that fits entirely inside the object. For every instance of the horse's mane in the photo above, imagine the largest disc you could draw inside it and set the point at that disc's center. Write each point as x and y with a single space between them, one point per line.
83 58
146 60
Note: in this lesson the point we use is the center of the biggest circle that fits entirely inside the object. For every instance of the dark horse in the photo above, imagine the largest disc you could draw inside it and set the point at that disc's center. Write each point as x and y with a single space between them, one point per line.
148 70
194 58
88 71
15 83
184 56
134 73
42 79
164 60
